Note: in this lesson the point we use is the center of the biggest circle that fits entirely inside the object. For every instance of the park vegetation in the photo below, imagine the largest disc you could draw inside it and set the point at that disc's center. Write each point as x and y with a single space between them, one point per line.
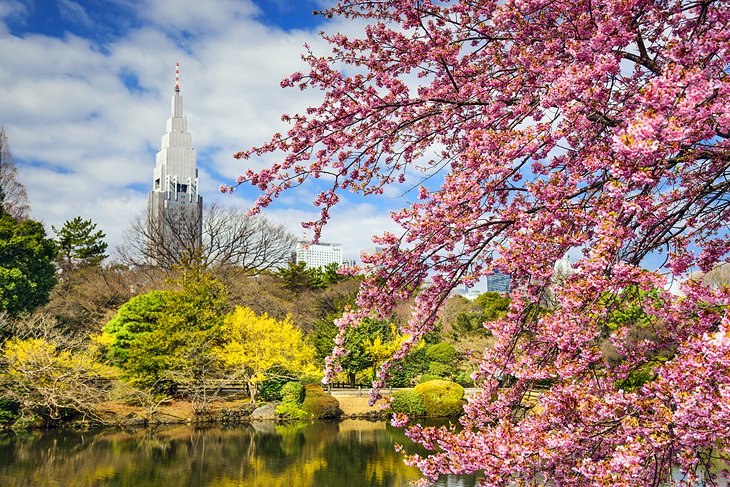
190 340
80 330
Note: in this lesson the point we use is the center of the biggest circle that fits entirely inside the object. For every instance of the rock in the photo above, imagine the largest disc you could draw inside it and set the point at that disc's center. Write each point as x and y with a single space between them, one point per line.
133 419
264 412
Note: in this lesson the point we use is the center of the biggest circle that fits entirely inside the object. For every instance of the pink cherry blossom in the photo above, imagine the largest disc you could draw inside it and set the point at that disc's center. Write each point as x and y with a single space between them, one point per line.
593 126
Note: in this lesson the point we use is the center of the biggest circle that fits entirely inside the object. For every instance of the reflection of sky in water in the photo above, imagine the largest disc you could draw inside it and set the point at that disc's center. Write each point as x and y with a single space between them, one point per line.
350 453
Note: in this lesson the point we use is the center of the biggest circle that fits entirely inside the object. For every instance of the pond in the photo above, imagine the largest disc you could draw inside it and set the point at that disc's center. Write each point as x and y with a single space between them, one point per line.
351 453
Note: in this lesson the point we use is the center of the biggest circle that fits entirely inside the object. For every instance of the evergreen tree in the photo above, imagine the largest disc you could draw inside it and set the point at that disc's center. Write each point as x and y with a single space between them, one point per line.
27 274
79 244
174 350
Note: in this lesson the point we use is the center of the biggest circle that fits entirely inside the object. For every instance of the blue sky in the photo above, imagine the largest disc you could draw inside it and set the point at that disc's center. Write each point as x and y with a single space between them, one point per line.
85 94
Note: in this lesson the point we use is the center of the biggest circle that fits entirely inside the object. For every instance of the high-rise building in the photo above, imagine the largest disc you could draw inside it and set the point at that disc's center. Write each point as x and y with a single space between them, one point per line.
498 283
175 214
318 255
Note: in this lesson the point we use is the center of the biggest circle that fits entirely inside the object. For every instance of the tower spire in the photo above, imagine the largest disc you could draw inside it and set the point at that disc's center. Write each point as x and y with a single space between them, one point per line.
175 207
177 77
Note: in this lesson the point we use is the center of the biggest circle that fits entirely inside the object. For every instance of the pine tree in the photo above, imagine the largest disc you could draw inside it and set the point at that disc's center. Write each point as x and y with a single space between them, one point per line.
79 244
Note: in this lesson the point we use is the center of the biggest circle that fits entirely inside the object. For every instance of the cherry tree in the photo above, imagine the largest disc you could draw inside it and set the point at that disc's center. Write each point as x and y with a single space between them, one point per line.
537 127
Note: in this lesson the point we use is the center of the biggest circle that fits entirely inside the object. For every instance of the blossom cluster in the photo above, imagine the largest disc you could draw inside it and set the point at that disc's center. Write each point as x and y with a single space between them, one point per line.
598 127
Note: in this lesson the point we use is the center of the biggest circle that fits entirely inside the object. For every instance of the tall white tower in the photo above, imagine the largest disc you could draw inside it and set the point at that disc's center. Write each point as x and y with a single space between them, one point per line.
175 207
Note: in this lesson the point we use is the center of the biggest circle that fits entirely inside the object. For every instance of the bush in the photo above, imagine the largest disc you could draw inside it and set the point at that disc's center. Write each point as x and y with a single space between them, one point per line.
408 402
321 407
270 389
441 397
9 411
463 378
318 404
441 352
308 401
314 390
289 410
311 379
135 318
292 393
52 382
404 374
442 371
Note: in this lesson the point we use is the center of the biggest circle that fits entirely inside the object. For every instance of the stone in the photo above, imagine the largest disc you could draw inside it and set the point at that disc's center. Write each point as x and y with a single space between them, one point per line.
264 412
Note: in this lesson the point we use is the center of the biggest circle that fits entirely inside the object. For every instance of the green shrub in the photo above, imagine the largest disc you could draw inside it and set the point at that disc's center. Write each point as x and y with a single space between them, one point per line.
135 318
441 352
321 407
463 378
440 370
292 392
314 390
404 374
308 401
441 397
289 410
408 402
319 404
270 389
637 378
9 411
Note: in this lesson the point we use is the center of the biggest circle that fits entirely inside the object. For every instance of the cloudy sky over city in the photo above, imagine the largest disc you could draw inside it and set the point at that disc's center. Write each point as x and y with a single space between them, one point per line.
86 89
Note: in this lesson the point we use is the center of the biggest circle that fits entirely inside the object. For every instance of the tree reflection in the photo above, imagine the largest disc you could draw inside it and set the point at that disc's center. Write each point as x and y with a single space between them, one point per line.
352 453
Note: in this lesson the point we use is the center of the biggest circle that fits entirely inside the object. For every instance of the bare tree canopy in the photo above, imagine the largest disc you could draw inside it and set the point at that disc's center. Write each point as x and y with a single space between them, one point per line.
12 192
230 238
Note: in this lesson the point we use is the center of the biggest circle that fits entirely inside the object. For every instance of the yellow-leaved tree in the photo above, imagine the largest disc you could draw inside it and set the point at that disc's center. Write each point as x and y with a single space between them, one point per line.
380 349
48 381
253 344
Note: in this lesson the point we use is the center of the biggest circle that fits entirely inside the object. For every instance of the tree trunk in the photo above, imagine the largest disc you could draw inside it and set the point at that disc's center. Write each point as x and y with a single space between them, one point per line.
252 390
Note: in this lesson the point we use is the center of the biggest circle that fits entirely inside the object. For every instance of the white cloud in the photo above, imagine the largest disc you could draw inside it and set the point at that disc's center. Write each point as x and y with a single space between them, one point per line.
193 17
11 9
85 141
74 13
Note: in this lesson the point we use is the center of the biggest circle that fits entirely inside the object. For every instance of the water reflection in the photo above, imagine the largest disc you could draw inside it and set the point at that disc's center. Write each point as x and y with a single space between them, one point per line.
354 453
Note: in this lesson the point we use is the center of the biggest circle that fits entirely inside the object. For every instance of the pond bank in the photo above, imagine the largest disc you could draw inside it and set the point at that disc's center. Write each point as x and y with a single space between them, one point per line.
178 411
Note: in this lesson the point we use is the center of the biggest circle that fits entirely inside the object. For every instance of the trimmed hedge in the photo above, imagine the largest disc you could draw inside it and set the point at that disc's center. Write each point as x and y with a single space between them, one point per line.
442 371
319 404
408 402
288 410
307 401
441 397
441 352
463 378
